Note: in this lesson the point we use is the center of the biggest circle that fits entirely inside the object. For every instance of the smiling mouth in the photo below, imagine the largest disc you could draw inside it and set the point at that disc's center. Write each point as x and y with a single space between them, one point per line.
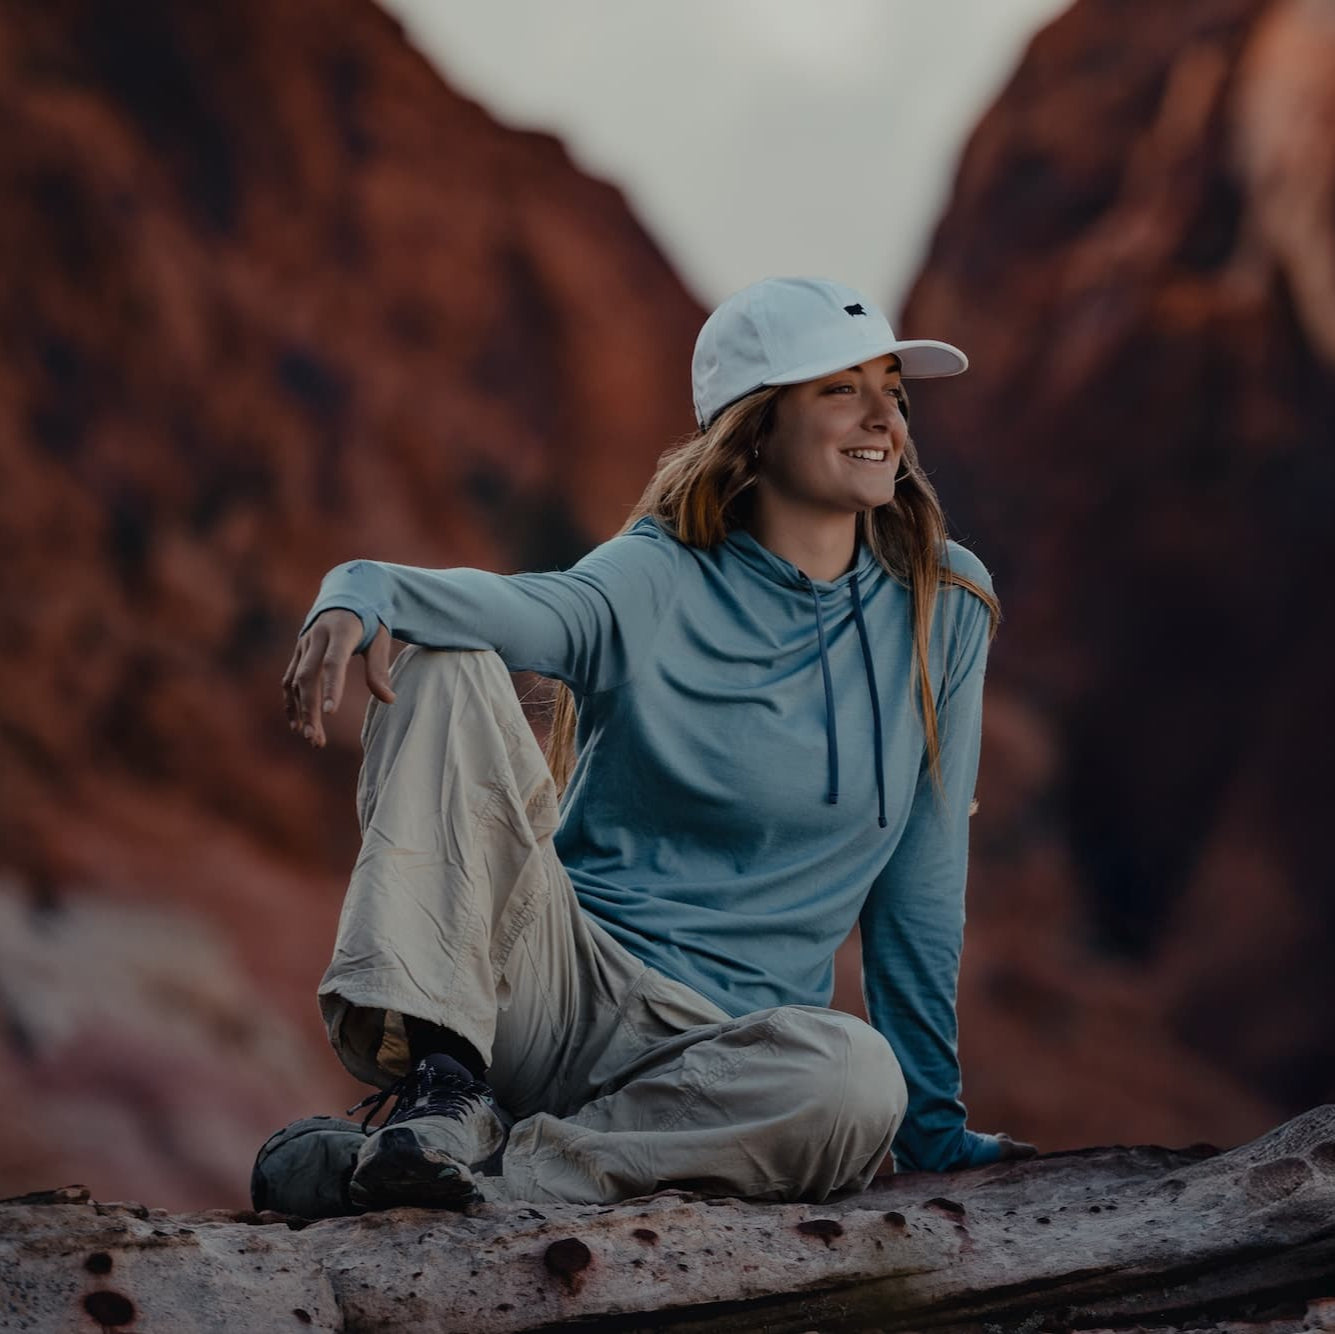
866 455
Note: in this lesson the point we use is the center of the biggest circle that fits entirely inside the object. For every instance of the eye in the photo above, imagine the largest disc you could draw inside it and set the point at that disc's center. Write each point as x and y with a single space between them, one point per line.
894 391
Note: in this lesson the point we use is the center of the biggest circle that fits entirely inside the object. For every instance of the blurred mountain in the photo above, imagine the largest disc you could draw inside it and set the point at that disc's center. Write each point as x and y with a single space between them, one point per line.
275 297
1139 259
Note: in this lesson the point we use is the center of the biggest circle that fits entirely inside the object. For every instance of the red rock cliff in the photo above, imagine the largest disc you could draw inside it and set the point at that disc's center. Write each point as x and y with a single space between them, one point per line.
1138 256
275 297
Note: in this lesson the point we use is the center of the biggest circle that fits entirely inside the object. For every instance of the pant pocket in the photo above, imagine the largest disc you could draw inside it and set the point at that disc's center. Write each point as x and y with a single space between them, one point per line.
660 1018
660 1007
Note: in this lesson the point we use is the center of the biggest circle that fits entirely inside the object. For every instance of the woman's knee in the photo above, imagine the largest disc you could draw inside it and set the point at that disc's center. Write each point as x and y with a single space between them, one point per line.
470 694
416 666
851 1071
468 697
874 1093
436 682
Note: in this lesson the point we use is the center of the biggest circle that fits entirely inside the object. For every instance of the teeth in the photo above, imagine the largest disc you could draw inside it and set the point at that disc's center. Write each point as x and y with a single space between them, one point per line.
876 455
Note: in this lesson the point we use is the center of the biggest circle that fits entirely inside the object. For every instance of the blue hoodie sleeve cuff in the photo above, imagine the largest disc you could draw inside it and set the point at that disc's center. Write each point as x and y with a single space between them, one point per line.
370 620
980 1150
975 1150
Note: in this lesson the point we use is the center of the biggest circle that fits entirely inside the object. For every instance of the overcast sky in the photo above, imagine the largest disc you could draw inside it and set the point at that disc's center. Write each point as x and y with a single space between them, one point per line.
750 137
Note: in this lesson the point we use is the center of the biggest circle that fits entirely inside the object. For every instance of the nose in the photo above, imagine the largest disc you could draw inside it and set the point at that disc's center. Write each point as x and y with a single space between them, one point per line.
880 410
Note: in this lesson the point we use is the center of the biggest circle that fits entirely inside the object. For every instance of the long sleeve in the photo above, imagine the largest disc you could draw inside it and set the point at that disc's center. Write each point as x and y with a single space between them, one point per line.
587 626
913 921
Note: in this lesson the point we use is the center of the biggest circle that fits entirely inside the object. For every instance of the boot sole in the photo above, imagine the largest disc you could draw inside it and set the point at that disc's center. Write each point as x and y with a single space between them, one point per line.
399 1171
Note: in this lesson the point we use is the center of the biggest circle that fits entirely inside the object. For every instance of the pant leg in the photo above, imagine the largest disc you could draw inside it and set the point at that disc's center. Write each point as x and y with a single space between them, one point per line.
458 910
789 1103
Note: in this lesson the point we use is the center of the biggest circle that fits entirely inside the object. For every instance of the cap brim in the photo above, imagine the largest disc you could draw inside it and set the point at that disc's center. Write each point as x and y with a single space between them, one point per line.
919 358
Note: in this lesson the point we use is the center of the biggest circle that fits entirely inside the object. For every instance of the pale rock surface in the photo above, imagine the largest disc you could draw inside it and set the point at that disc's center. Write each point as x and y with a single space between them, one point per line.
1145 1238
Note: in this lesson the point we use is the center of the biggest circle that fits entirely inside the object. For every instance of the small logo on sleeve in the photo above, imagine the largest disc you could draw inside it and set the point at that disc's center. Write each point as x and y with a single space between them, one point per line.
855 310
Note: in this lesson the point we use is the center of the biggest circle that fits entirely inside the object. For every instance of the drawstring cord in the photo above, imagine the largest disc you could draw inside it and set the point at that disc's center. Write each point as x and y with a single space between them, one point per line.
875 698
831 733
831 738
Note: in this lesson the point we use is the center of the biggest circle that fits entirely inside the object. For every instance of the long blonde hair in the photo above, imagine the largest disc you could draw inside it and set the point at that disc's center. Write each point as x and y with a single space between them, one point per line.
702 490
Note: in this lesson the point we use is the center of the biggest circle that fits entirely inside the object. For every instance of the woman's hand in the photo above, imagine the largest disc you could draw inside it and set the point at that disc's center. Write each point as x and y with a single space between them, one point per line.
1014 1148
313 682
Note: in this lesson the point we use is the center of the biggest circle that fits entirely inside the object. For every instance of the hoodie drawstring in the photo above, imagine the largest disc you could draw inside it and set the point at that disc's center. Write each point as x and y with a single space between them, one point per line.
831 737
875 697
831 734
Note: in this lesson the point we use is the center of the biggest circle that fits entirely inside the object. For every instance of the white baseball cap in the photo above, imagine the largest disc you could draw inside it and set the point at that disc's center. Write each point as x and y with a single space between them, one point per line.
785 330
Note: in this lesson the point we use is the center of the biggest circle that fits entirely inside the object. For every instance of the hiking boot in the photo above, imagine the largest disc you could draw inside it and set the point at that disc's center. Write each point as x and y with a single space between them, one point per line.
306 1167
444 1132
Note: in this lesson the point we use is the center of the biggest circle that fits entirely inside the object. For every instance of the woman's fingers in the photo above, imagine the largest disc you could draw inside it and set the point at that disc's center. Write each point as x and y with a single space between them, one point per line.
1014 1148
345 631
377 667
305 683
314 679
289 689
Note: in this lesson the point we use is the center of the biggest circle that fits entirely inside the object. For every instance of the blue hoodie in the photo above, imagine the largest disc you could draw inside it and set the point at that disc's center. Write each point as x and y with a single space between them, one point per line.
751 778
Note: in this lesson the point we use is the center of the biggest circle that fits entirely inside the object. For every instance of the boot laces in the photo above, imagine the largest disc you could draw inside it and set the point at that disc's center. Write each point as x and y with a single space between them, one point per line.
436 1086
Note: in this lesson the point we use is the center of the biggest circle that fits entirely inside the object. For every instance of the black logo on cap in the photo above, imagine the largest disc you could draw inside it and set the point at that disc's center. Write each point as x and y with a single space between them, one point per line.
855 310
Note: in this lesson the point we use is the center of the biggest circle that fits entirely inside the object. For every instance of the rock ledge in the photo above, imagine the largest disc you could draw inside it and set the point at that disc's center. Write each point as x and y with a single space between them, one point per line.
1143 1237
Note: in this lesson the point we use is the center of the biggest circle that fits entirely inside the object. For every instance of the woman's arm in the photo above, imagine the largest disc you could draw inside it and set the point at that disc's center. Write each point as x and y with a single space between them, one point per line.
913 920
588 626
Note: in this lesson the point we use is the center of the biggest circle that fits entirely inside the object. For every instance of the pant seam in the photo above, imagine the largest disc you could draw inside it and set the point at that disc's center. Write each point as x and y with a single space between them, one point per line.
523 919
624 1025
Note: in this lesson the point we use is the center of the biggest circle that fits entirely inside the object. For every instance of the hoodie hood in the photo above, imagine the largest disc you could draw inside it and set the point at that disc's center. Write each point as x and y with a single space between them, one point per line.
778 569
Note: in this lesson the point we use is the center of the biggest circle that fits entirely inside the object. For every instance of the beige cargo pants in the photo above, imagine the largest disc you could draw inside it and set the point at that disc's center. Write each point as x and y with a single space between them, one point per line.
622 1081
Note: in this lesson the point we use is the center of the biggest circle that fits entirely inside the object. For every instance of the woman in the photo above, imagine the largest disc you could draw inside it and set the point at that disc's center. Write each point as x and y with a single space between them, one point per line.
639 975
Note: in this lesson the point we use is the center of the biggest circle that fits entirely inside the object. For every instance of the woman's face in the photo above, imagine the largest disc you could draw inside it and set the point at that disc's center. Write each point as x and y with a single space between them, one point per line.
837 441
